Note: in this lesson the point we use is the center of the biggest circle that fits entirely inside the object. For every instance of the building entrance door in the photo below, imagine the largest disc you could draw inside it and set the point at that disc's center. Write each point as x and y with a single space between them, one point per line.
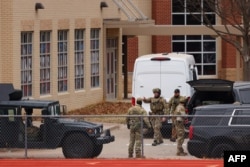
111 70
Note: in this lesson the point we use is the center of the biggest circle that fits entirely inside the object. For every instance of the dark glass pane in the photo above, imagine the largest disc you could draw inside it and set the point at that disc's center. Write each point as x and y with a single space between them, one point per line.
209 58
178 47
194 19
209 70
193 37
178 20
178 37
209 46
177 6
208 6
193 6
209 19
193 46
199 69
197 58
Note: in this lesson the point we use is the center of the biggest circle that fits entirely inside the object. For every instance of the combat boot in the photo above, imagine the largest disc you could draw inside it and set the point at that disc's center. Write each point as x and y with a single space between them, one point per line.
130 155
139 156
181 154
172 139
155 143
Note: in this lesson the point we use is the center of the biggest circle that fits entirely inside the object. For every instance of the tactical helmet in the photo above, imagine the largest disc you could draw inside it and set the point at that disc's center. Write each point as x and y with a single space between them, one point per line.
139 99
177 91
157 90
183 99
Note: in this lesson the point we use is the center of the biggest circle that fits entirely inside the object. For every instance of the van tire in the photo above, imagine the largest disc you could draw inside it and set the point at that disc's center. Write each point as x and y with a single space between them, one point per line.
77 146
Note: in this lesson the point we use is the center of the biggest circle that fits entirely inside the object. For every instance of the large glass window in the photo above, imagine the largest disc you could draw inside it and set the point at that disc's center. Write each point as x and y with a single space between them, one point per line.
26 63
79 59
62 60
203 47
45 62
95 51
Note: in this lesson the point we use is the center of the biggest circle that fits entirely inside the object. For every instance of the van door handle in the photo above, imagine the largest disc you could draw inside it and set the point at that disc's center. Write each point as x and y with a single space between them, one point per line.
141 86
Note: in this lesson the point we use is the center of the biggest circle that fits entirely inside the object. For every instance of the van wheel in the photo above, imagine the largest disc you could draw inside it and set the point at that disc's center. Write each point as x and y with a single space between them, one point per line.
77 146
218 150
97 150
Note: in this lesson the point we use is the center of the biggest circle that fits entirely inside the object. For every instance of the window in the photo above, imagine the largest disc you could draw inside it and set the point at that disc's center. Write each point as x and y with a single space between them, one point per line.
26 63
202 47
62 60
45 62
79 59
240 117
245 95
94 50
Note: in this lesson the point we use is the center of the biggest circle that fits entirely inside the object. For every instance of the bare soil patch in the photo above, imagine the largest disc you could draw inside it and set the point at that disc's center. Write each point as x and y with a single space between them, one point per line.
117 108
104 108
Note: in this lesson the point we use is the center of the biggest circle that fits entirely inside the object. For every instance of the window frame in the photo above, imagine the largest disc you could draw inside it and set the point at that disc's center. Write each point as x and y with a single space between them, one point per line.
45 62
79 58
62 60
26 62
204 67
95 57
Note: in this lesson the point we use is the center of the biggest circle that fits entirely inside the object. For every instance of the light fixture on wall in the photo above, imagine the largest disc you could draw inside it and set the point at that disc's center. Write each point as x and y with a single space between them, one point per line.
39 6
103 5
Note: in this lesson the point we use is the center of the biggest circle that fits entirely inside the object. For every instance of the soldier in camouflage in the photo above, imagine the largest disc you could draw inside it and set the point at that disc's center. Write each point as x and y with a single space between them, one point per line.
134 124
157 107
179 125
173 102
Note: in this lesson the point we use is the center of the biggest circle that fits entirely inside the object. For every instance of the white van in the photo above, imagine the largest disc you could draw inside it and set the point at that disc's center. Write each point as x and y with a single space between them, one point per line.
164 71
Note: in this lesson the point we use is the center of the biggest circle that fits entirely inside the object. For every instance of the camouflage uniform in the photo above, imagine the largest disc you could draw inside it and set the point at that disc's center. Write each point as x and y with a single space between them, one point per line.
157 107
173 102
179 125
134 124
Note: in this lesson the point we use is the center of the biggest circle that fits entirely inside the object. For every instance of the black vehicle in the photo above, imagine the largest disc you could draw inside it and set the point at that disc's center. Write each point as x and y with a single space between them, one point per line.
216 128
78 138
217 91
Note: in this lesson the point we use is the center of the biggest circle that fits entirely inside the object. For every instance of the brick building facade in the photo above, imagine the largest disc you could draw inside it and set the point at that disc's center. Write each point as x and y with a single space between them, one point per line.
72 50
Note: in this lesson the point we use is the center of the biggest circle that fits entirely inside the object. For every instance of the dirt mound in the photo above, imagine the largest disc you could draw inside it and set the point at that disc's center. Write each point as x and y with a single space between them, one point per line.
117 108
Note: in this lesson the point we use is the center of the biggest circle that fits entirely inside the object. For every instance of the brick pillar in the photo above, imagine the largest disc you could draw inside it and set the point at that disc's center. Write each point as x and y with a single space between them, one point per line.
132 47
161 13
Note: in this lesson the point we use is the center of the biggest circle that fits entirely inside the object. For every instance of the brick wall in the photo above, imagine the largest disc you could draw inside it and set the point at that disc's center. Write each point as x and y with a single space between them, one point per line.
132 47
228 55
161 13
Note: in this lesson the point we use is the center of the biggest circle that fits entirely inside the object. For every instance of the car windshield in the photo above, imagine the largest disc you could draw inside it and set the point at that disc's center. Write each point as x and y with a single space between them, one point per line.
55 109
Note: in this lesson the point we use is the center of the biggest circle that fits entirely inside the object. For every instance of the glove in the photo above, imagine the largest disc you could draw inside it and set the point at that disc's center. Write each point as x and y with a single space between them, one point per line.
128 126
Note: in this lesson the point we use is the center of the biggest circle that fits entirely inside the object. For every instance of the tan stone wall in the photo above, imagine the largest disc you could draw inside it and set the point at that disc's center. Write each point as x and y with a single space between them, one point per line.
20 15
6 38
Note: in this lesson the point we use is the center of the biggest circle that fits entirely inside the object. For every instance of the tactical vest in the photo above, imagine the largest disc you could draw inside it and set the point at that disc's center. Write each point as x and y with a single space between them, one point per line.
157 105
175 101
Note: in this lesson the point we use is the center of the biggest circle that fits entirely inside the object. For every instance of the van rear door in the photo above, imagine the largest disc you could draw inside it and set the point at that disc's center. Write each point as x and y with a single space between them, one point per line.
173 75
